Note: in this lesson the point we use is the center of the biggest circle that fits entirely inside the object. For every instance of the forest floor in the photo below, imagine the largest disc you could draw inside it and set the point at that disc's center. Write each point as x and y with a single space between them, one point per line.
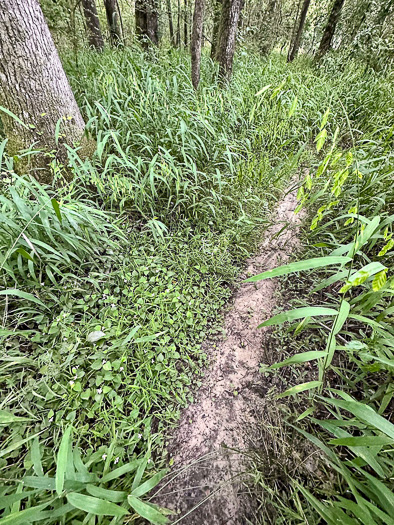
207 447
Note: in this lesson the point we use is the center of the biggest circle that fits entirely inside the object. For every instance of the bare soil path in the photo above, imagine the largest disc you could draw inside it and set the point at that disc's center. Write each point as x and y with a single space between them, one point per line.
229 406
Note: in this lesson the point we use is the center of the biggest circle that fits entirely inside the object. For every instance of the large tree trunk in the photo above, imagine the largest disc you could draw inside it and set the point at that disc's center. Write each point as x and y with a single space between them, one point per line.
147 21
196 42
35 88
92 21
113 21
326 41
170 23
227 36
294 46
216 25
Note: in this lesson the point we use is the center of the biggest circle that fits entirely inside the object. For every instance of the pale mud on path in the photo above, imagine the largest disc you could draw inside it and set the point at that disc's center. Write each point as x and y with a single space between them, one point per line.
229 407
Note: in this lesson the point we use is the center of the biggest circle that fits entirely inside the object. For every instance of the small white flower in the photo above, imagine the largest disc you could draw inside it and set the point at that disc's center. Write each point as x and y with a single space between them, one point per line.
71 383
103 362
149 460
113 306
50 419
104 456
125 280
42 284
116 460
99 390
139 436
121 368
75 377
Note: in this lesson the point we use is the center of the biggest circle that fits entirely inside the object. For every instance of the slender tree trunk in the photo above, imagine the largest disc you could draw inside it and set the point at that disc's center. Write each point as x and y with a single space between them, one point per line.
293 51
362 16
178 28
326 41
269 27
146 21
113 22
170 23
196 41
294 28
92 21
185 25
35 88
216 25
227 36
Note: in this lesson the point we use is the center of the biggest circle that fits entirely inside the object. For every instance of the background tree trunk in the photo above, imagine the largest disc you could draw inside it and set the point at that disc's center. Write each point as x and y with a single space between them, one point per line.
326 41
293 51
216 25
113 21
34 87
185 26
360 18
153 22
269 27
178 28
147 21
196 41
141 27
294 28
227 36
170 23
241 18
92 21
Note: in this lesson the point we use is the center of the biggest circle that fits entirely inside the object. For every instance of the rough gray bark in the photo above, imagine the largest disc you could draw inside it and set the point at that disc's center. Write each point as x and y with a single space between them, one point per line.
329 30
294 47
227 36
112 14
196 41
216 25
34 87
92 21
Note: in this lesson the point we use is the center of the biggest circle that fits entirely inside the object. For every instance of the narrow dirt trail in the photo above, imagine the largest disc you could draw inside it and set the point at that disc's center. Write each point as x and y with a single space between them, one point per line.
229 406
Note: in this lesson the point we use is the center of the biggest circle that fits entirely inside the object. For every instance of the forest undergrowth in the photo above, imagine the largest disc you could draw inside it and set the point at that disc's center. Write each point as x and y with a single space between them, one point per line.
116 277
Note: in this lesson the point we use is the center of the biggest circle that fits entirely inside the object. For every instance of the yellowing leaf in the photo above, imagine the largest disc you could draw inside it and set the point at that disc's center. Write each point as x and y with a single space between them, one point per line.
379 280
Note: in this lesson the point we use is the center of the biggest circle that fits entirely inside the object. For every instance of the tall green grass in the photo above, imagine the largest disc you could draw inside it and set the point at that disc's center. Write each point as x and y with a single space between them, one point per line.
348 409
